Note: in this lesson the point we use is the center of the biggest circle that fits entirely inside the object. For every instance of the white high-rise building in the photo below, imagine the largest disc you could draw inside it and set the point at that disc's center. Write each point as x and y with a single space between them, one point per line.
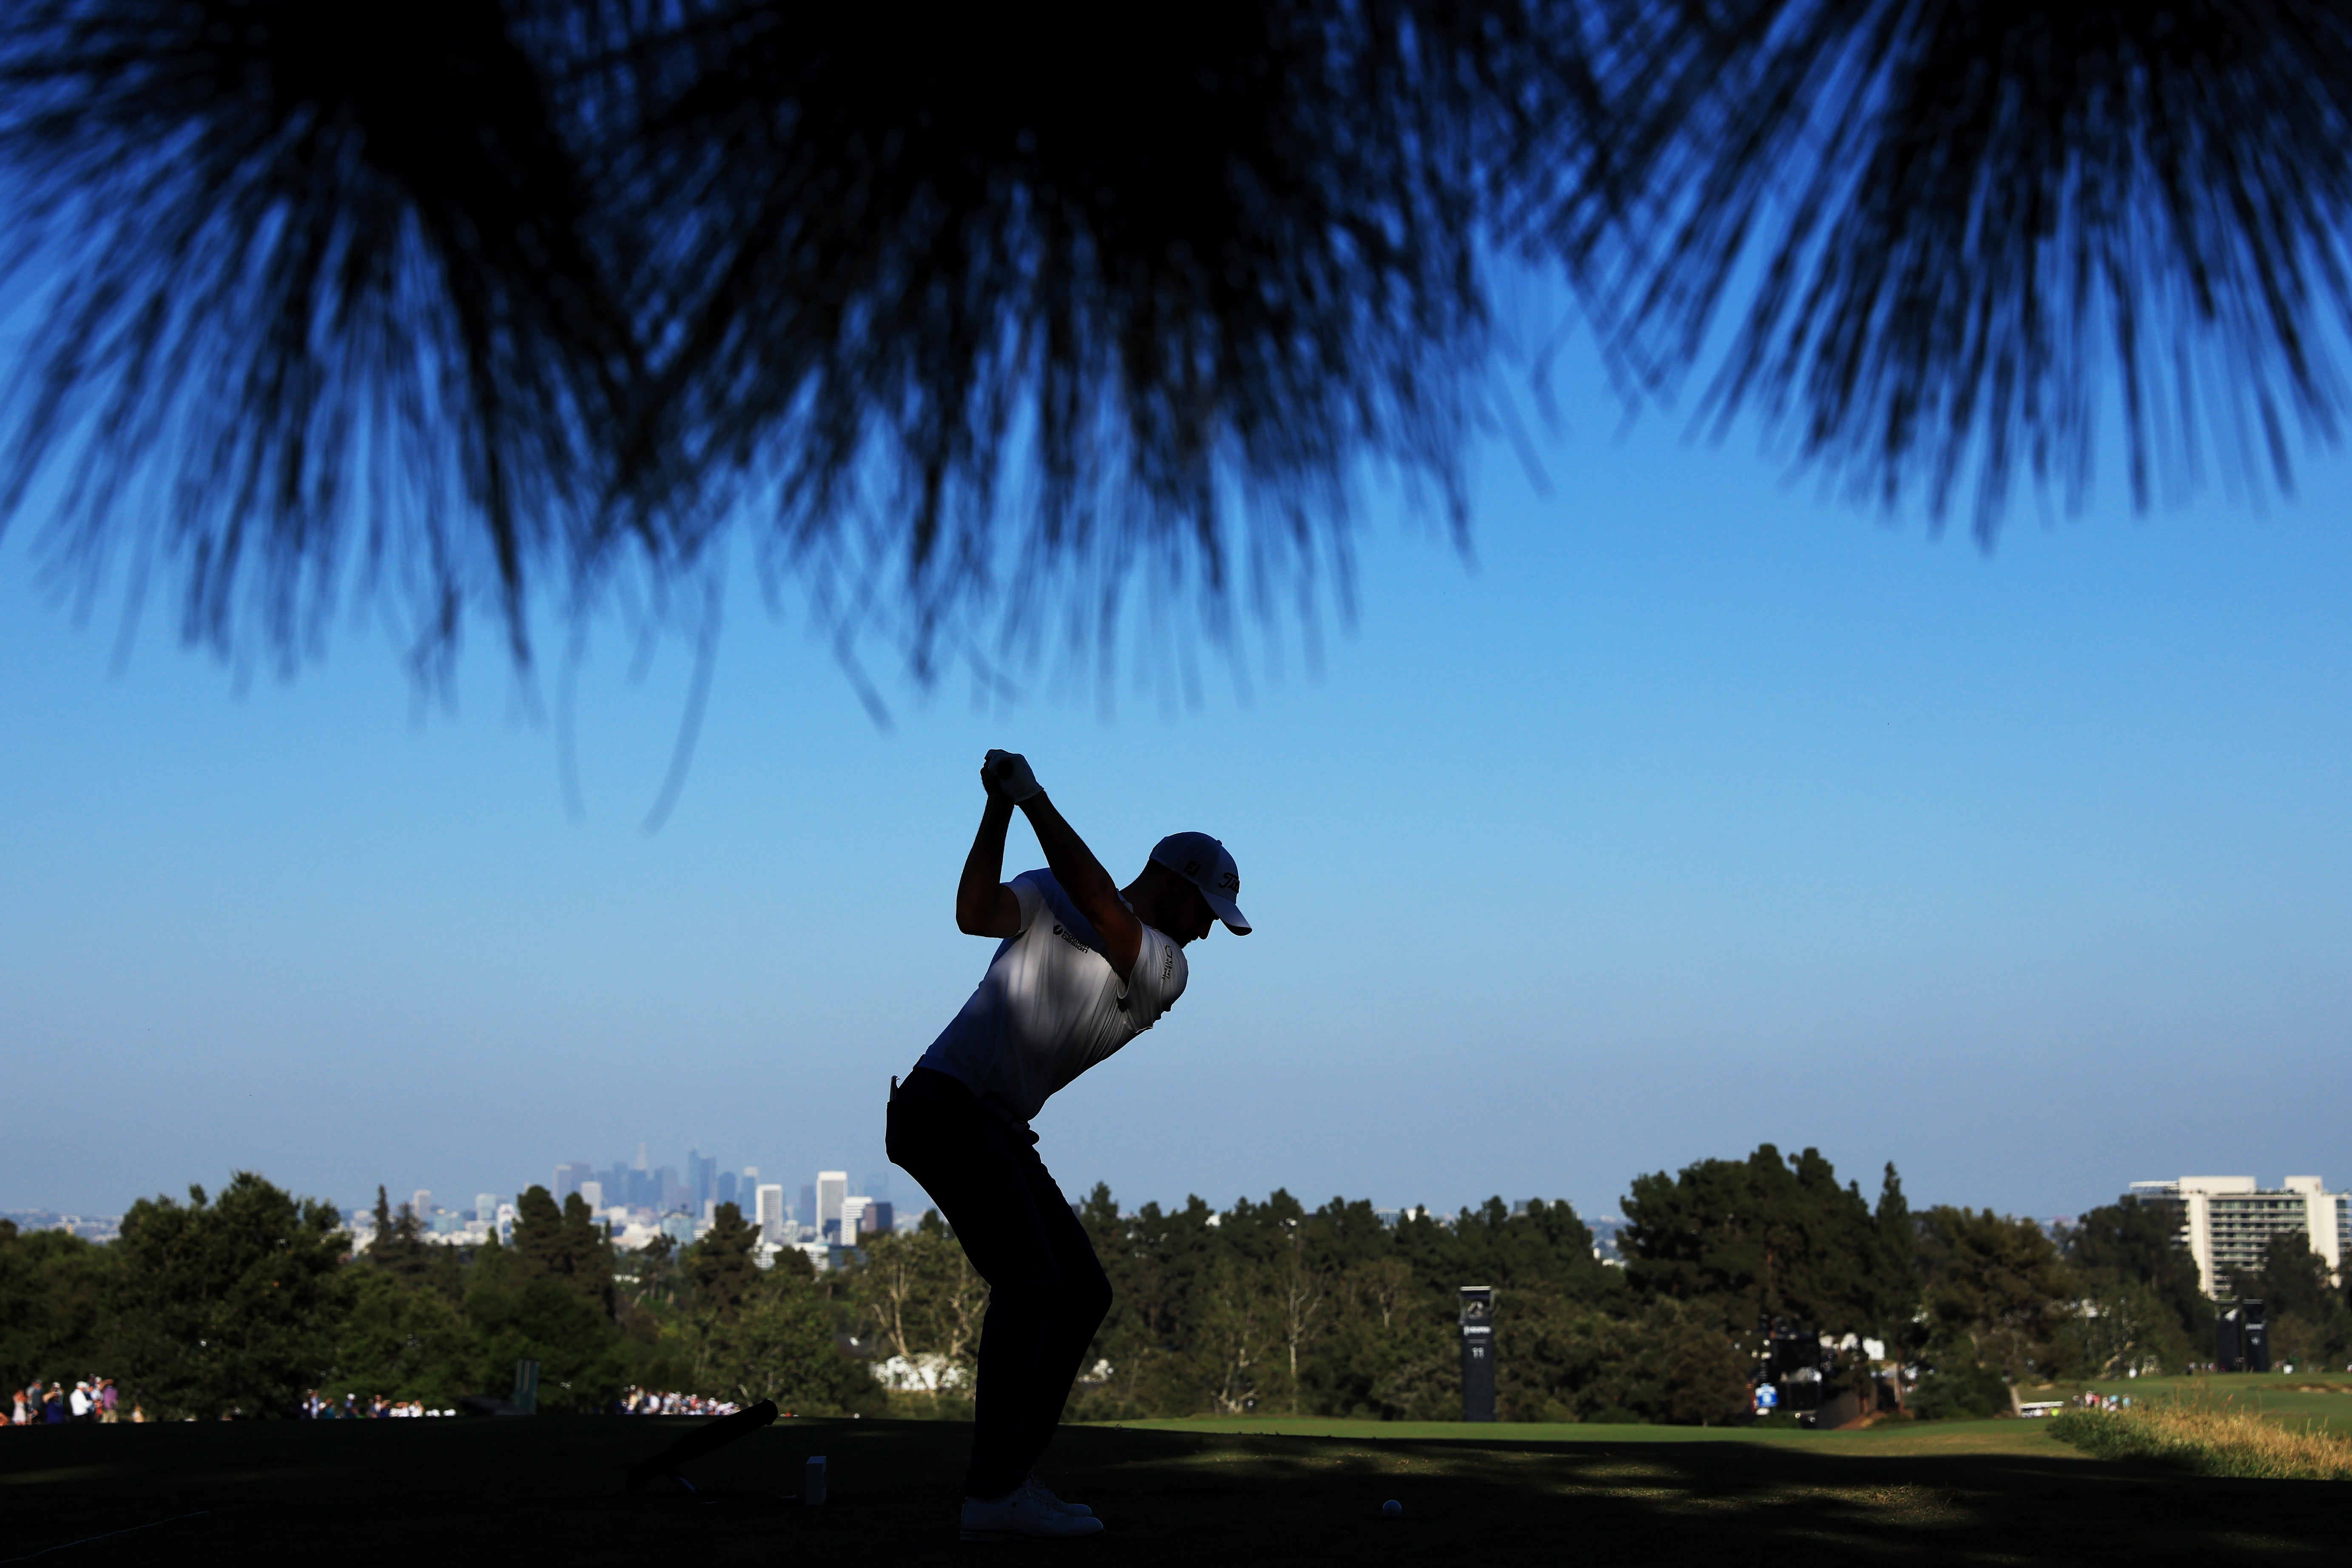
832 1187
771 1216
486 1206
592 1194
853 1213
2227 1222
420 1204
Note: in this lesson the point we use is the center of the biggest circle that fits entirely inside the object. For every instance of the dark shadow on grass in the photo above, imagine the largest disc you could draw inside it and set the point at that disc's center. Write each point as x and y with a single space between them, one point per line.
547 1488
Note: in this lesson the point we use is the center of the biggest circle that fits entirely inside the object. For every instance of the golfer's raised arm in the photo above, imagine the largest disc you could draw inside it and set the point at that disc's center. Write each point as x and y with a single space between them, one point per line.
984 905
1087 884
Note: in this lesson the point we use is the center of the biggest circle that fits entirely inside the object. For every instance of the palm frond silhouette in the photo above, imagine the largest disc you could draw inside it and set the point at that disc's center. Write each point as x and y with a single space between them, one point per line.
1941 228
320 278
981 316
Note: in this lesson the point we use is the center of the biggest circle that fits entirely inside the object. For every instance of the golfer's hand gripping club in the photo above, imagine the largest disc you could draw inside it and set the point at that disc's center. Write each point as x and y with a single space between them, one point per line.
1007 777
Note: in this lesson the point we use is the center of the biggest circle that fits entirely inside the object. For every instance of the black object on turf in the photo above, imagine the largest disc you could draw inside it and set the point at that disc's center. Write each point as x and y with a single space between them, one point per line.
702 1440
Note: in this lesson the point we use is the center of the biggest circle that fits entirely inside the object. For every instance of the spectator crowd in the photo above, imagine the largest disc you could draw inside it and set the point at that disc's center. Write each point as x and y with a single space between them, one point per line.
647 1402
318 1407
94 1399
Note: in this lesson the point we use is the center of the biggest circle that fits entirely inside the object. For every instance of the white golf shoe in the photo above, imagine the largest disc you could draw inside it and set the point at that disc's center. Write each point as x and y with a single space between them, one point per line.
1046 1492
1024 1515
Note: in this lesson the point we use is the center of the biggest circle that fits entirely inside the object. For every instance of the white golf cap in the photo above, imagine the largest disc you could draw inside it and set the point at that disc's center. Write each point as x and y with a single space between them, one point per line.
1203 862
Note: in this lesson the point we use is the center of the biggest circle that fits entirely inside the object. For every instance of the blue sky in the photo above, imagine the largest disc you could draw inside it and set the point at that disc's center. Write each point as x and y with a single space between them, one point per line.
1699 811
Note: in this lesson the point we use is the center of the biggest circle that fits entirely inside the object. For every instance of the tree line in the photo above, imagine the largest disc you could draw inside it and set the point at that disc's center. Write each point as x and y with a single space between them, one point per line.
235 1304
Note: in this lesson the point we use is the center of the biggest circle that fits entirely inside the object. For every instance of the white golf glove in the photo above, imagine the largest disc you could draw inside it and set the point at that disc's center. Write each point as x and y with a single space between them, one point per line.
1007 776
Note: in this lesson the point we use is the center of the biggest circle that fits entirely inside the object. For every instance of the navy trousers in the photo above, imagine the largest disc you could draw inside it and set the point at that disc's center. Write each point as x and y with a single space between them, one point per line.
1047 1294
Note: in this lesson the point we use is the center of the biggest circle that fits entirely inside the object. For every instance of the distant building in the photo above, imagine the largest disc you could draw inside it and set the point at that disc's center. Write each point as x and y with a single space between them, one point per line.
568 1177
592 1194
725 1191
420 1204
876 1219
832 1188
2227 1222
486 1207
771 1215
853 1212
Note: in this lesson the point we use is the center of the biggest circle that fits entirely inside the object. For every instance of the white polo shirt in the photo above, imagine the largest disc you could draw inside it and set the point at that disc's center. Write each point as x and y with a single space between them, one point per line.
1050 1005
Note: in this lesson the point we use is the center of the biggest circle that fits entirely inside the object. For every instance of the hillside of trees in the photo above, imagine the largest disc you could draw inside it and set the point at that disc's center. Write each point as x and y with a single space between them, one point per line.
237 1303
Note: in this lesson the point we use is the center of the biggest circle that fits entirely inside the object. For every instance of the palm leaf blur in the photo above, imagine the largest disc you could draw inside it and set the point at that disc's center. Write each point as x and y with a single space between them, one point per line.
319 278
1147 260
980 317
1946 223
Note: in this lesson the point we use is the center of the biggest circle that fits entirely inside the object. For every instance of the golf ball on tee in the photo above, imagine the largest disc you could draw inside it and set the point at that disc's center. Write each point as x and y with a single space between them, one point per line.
1392 1509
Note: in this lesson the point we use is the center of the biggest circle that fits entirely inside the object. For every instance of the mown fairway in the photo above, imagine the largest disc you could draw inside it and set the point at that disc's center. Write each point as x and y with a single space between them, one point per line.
548 1490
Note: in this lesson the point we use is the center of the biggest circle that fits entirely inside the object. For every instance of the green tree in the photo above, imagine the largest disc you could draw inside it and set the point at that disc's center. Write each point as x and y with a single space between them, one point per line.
723 1266
1158 1262
1236 1346
566 1244
1393 1353
2140 1244
919 1300
2308 1319
398 1245
1555 1359
228 1307
550 1298
1678 1368
2123 1328
401 1340
779 1340
1767 1237
1541 1246
53 1287
1997 1294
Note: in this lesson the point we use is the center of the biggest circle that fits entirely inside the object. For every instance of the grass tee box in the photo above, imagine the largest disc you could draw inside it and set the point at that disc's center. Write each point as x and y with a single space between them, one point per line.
1175 1493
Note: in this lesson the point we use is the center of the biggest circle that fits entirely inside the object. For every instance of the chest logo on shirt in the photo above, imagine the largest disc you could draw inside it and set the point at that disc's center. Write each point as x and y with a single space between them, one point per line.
1070 938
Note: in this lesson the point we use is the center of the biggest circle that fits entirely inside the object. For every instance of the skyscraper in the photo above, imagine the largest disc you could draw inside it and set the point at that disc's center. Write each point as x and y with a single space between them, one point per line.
853 1212
421 1205
879 1218
2226 1223
771 1217
726 1191
701 1176
592 1194
832 1186
808 1204
486 1206
568 1177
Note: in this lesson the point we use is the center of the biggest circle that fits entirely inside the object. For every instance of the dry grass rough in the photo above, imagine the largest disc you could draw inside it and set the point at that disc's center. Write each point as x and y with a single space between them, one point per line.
2211 1436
